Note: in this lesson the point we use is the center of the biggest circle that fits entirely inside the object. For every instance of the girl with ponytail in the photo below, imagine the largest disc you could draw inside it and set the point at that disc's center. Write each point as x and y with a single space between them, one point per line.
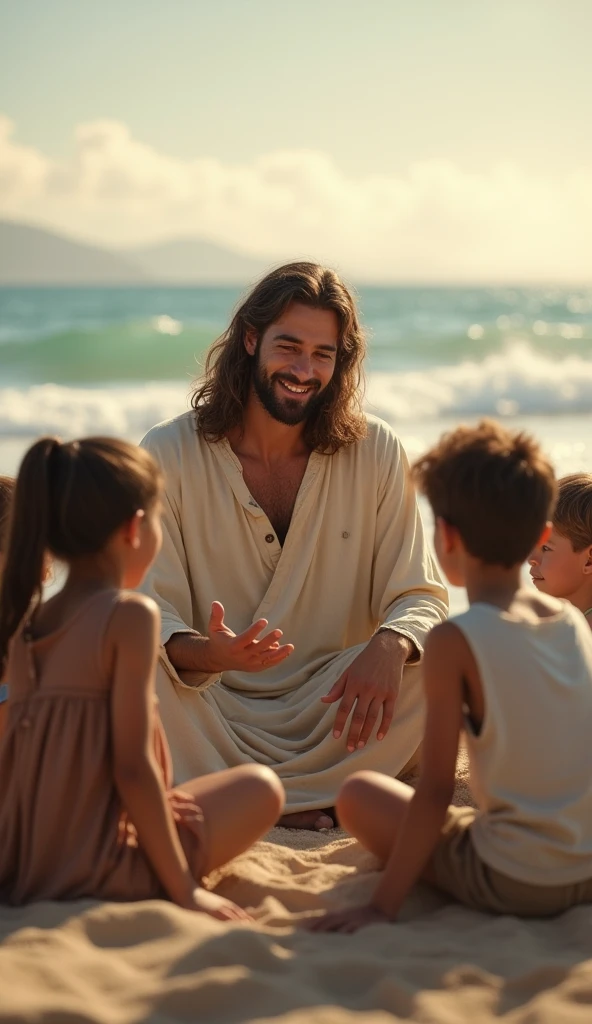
87 807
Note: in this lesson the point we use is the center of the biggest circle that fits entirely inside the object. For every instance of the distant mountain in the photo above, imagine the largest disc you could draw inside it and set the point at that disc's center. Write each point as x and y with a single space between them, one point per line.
193 259
31 255
36 256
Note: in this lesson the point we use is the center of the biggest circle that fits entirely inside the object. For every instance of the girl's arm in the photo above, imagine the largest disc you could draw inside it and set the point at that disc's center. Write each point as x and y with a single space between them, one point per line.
420 830
133 637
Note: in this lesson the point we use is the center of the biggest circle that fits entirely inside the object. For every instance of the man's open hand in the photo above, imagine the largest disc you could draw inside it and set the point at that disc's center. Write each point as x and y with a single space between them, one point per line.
221 650
249 651
371 685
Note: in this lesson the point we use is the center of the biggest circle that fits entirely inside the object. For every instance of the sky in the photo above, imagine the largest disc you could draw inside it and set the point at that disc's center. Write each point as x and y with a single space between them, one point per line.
433 140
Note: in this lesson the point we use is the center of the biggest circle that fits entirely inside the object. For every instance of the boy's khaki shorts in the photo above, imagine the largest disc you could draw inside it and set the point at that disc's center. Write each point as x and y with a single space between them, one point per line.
460 872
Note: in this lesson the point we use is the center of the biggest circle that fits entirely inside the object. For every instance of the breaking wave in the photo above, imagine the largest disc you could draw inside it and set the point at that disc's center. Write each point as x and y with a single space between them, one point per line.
517 382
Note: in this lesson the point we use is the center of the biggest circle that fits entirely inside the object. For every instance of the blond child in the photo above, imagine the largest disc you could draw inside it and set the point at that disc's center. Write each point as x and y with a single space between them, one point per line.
562 566
515 671
87 807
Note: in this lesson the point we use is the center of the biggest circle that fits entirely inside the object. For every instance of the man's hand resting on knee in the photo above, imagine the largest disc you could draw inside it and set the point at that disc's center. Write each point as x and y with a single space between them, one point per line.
223 651
370 687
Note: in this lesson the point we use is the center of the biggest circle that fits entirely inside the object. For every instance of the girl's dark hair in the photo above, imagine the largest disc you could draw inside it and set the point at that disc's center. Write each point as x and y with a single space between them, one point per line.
220 396
68 500
6 491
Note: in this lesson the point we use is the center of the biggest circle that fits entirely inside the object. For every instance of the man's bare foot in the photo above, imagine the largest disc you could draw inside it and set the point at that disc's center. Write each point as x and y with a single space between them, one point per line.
315 821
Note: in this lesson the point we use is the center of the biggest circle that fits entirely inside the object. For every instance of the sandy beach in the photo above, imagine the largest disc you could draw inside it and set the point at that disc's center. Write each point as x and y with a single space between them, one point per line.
158 162
122 963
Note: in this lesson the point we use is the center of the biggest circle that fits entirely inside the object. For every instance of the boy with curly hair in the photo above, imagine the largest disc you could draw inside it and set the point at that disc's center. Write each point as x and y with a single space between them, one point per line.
515 672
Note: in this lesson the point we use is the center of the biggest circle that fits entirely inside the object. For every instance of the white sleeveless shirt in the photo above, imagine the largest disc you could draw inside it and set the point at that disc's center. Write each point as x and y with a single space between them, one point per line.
531 764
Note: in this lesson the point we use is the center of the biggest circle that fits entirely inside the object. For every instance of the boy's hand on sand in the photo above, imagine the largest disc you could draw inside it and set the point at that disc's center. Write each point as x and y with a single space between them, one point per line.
251 651
216 906
370 687
348 921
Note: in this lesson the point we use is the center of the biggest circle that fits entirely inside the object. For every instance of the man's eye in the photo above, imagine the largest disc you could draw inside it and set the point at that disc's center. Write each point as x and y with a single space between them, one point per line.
324 355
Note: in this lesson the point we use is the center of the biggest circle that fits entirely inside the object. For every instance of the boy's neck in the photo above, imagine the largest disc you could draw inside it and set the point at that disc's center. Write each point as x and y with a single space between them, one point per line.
491 584
582 598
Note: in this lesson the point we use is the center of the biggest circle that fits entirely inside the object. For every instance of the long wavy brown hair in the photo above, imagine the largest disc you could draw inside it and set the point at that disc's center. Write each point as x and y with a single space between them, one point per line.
220 396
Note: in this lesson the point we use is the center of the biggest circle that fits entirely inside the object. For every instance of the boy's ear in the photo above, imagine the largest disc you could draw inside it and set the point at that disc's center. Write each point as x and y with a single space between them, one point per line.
132 528
588 563
544 537
448 534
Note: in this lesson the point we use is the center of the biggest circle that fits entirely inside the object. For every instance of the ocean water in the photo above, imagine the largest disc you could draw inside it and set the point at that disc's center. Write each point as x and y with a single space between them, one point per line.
118 360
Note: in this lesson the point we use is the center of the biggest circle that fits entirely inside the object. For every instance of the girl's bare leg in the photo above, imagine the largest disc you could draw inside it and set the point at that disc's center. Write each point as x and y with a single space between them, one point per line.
239 806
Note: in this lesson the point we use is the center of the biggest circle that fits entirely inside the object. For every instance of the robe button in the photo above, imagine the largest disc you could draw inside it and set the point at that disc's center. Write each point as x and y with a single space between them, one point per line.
25 723
345 534
269 537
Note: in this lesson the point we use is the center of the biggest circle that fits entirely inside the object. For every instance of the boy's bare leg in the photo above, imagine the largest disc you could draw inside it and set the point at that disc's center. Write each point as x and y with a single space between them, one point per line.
371 807
239 806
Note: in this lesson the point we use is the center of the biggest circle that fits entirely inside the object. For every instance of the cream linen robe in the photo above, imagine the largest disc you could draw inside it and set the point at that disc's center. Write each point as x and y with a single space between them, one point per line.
355 558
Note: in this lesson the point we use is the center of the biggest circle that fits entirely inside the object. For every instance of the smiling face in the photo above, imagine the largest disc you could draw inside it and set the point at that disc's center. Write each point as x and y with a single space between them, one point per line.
294 362
557 569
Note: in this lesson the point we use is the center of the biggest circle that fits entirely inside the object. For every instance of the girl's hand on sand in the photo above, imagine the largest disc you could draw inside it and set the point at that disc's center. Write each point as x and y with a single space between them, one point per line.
249 651
349 921
216 906
185 810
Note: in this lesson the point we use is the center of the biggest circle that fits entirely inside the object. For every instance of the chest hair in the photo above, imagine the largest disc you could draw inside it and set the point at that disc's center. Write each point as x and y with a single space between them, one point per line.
276 492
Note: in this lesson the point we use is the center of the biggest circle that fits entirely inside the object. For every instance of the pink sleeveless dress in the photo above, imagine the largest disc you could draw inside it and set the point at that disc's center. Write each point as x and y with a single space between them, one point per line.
64 833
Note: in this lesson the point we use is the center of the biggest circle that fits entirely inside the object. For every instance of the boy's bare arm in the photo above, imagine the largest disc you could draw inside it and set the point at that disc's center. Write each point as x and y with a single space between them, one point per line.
444 659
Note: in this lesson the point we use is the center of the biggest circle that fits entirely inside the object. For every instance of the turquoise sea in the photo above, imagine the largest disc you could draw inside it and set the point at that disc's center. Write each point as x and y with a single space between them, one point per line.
117 360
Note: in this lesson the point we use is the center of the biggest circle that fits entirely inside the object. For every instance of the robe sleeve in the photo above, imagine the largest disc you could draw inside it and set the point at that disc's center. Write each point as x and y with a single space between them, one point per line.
408 595
167 581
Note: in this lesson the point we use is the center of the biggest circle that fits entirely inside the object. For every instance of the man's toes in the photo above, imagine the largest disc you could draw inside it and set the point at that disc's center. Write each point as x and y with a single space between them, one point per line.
313 820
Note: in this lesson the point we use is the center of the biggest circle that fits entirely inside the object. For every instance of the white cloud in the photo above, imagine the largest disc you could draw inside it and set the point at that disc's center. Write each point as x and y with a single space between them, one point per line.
436 221
23 171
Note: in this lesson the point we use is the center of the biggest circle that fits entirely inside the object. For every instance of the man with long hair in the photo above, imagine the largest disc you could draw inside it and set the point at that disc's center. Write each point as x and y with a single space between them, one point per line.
294 575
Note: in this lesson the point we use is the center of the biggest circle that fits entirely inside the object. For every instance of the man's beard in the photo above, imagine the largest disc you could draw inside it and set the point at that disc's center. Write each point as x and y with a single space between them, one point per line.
289 411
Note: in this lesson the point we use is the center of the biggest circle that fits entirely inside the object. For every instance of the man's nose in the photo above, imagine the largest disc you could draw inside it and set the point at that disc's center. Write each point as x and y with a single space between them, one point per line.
302 367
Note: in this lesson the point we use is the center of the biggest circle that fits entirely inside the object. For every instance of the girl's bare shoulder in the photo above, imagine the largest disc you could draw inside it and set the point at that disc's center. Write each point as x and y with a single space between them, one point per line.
134 614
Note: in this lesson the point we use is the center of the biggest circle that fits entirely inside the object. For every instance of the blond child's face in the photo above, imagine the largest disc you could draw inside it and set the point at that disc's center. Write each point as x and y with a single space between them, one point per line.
557 569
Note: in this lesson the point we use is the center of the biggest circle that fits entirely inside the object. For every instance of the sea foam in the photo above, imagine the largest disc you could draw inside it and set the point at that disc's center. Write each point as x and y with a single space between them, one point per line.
516 382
